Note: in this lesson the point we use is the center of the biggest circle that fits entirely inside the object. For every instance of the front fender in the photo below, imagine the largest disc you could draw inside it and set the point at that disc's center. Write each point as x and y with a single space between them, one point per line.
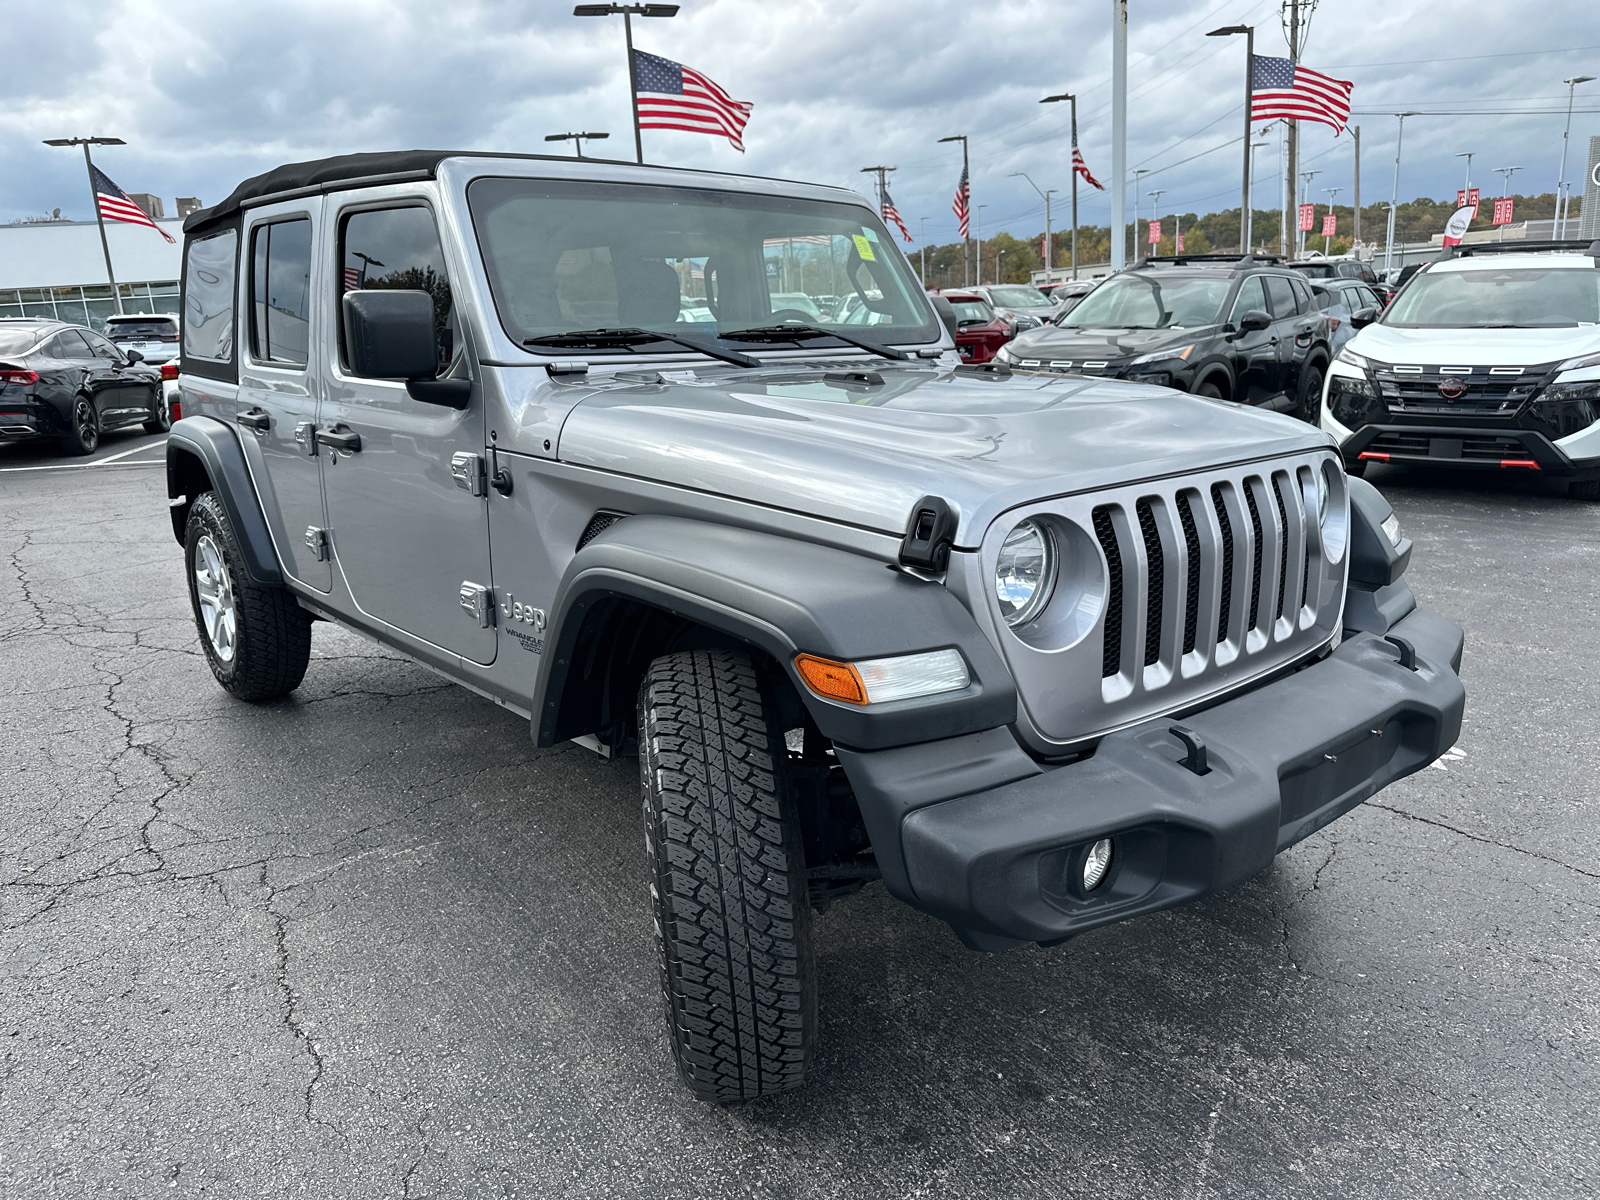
782 596
203 454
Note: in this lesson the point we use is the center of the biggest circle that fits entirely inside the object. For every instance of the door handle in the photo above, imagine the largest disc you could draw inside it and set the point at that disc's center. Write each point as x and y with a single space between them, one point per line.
255 418
340 437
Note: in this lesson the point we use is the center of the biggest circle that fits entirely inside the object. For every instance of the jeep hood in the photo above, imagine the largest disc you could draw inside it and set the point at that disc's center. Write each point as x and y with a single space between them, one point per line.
1474 347
865 452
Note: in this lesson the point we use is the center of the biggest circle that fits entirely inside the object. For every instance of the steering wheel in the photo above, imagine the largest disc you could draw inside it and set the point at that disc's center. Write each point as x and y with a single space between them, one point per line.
793 314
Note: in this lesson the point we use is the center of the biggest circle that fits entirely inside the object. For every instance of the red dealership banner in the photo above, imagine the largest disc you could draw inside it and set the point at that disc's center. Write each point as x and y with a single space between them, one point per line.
1155 232
1502 211
1330 225
1308 217
1466 196
1180 244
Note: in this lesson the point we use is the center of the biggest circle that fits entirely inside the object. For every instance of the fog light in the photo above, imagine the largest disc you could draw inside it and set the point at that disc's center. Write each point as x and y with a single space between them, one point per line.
1097 864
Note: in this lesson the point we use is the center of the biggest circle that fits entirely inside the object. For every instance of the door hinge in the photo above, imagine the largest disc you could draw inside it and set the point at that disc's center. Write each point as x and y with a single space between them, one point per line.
305 434
468 471
478 602
317 542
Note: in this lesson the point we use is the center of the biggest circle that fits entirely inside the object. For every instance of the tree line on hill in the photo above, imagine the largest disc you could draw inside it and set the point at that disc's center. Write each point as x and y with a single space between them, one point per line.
1007 259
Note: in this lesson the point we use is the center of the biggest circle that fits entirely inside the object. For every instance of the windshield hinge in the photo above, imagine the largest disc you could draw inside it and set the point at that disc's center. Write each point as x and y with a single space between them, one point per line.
929 534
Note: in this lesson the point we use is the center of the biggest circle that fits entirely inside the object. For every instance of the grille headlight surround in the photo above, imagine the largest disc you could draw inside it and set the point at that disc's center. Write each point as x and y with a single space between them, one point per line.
1350 358
1025 573
1355 402
1182 352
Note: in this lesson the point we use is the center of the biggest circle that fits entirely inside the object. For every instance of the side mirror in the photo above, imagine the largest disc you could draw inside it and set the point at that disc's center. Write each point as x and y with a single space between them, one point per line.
1363 317
1254 321
391 335
134 356
947 313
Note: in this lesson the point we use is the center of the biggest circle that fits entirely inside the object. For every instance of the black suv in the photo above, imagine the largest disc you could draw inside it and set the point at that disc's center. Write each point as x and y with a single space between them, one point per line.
69 383
1245 329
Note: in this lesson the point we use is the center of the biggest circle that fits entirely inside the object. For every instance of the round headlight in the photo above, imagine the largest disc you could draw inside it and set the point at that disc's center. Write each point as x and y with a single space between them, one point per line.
1025 573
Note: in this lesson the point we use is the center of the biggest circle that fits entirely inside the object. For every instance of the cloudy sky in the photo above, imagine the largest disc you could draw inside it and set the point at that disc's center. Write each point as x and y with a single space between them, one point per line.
206 93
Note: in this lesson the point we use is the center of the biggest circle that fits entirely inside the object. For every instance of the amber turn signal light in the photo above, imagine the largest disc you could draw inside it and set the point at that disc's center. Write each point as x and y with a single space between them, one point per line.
832 680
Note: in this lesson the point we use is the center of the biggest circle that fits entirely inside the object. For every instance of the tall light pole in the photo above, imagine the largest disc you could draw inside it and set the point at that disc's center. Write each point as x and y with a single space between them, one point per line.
1327 238
1394 198
1308 176
1155 209
1049 239
1467 154
1355 235
577 139
1119 132
966 176
629 11
1250 189
1068 96
1559 226
94 200
923 233
977 252
1138 176
1249 32
1505 187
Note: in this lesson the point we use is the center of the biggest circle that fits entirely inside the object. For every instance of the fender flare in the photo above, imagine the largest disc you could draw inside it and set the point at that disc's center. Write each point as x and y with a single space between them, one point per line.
1214 367
783 596
215 447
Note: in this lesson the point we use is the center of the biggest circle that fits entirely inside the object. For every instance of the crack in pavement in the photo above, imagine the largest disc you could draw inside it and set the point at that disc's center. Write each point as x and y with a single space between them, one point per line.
1485 841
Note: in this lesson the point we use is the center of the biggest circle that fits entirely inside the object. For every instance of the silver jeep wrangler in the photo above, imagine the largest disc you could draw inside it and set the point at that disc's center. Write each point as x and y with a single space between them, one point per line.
1039 652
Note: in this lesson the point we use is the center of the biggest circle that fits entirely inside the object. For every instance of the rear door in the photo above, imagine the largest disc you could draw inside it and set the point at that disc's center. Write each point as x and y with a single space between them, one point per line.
125 395
1291 325
406 505
1255 353
276 409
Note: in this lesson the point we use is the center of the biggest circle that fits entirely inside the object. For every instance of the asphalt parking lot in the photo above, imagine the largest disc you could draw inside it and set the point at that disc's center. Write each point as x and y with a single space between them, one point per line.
368 943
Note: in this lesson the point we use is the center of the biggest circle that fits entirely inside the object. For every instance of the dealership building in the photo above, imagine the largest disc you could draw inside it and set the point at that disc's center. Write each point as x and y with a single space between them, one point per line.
57 269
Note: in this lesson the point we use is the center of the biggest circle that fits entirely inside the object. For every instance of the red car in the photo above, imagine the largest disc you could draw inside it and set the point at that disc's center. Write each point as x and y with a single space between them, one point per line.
980 331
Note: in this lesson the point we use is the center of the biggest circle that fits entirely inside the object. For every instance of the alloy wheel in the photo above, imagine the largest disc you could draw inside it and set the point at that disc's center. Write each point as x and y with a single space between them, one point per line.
88 429
214 588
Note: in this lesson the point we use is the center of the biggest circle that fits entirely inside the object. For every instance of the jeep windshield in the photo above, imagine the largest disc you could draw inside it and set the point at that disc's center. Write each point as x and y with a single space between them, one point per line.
1148 302
1499 298
565 256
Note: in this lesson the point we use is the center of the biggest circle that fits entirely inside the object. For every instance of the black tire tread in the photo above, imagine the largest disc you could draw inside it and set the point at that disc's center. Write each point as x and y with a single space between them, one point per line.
1586 489
274 634
732 910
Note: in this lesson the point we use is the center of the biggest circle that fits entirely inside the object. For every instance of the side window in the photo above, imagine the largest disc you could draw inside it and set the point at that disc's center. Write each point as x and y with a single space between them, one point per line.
1250 298
1304 300
209 272
280 292
399 248
99 346
67 344
1368 300
1281 297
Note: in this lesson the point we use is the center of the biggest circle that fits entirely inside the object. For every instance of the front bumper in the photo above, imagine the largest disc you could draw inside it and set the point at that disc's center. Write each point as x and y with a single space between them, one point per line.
1480 447
974 832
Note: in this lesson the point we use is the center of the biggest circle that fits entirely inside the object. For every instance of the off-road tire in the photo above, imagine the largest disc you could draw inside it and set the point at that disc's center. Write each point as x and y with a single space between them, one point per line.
1586 489
1308 406
83 436
733 918
273 633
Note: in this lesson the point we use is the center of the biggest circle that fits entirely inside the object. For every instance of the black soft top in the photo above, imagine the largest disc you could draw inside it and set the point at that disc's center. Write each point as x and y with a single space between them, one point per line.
387 166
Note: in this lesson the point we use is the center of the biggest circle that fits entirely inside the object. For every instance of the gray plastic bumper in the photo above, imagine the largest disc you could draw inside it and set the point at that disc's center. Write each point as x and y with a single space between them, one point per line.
1004 864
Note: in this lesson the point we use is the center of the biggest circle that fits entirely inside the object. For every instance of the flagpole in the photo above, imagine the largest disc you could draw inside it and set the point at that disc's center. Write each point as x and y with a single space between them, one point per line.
94 198
966 173
1119 135
1074 188
1246 217
633 86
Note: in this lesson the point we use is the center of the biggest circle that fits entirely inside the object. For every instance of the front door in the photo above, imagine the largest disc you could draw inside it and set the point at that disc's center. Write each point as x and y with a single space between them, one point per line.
1255 352
276 412
407 536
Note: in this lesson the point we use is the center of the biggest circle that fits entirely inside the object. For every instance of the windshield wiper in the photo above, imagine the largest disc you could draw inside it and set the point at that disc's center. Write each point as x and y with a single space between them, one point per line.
628 337
795 333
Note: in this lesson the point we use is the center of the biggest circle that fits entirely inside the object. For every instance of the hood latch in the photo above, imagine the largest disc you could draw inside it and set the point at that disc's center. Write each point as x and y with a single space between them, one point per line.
929 535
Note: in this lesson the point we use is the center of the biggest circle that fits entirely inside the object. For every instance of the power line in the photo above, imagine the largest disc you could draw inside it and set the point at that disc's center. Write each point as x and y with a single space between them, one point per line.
1455 58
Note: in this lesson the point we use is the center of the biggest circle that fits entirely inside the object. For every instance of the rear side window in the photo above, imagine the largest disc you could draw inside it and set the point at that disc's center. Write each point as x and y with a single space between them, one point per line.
398 248
1282 298
99 346
280 292
66 344
209 274
1302 295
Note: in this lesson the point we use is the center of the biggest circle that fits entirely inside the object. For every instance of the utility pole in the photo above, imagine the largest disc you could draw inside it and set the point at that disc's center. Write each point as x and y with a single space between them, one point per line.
94 200
1249 32
882 186
1292 136
1119 133
1505 187
1356 236
1049 237
1559 225
629 11
966 176
1308 176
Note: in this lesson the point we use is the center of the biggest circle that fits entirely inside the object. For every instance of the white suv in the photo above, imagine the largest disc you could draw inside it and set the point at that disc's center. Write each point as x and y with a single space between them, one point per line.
1489 359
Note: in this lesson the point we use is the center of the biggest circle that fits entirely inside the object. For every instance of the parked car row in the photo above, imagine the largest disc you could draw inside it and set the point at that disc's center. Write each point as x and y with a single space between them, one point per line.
65 382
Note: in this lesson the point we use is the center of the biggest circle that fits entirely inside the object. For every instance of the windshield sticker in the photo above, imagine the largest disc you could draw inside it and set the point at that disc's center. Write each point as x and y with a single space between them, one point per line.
872 234
864 249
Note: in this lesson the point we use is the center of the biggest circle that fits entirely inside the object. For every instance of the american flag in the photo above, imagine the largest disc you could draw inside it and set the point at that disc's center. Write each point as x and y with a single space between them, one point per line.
113 204
1279 88
671 96
962 206
1078 165
352 279
891 213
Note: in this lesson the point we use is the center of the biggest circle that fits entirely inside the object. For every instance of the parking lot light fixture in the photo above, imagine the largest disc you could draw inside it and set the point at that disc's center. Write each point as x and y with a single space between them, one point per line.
94 201
1394 199
1073 100
577 139
629 11
1559 226
1249 32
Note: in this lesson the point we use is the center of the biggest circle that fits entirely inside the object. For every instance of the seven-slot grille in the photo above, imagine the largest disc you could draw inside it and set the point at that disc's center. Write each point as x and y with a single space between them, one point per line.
1484 391
1209 572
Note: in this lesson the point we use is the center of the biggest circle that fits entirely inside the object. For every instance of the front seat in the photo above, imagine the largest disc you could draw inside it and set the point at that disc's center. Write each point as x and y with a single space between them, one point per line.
649 295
